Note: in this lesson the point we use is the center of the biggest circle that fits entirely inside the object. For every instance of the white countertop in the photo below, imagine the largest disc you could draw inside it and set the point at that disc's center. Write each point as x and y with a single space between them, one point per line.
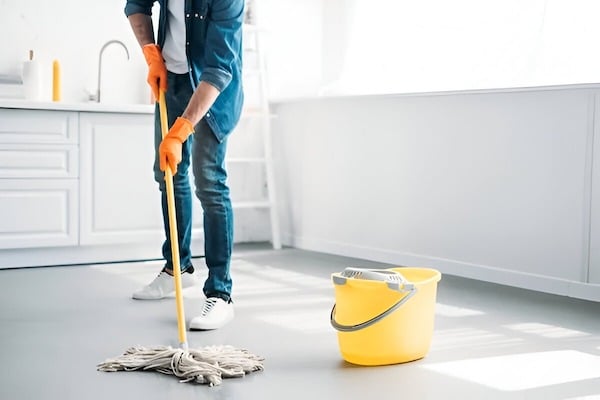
87 107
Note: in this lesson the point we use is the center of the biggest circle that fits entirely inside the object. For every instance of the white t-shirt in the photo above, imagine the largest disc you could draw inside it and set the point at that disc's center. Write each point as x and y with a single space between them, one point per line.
173 50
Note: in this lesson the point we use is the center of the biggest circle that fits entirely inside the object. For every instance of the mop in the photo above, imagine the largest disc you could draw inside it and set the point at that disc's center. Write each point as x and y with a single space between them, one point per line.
208 365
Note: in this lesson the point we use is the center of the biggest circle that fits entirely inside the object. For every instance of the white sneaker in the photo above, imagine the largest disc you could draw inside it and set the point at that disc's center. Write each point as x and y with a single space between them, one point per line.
215 313
162 286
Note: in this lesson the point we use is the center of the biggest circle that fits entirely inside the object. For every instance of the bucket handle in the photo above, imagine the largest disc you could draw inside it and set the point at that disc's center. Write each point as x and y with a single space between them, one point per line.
405 287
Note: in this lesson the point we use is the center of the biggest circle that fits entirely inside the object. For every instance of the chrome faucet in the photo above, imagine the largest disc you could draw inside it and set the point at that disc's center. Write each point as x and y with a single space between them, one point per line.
97 96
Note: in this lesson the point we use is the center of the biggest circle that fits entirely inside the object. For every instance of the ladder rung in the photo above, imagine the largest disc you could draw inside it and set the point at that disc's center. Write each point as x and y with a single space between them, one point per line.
252 28
252 204
256 113
245 160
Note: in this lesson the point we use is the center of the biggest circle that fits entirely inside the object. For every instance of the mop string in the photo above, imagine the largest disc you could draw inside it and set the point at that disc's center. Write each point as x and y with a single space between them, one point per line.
208 365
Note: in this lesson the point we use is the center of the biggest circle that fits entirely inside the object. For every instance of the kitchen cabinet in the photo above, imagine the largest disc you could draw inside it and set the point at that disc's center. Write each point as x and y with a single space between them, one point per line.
38 213
120 201
38 178
119 196
77 186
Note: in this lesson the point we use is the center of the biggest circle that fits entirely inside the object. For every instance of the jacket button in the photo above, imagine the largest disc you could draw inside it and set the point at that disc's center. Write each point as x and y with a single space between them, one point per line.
187 15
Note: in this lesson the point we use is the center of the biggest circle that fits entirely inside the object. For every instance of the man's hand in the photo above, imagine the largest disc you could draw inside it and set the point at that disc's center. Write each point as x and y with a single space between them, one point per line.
169 150
157 71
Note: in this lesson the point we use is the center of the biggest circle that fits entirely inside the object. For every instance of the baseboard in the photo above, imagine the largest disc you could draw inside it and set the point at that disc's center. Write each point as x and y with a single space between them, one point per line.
540 283
76 255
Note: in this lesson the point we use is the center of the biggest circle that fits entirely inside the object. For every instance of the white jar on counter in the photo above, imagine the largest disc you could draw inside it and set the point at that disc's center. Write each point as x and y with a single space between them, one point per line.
32 78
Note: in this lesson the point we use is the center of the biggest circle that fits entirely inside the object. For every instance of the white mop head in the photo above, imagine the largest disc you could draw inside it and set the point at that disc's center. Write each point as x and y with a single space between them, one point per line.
207 365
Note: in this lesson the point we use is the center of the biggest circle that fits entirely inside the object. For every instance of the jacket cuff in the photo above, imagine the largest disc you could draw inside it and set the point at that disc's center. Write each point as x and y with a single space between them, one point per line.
216 77
131 8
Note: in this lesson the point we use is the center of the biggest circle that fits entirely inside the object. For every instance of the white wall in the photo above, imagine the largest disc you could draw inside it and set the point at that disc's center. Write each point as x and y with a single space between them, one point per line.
293 39
494 186
73 32
382 46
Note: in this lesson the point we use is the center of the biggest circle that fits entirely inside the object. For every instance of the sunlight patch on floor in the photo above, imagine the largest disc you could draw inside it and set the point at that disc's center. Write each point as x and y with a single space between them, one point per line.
471 338
249 278
292 277
305 321
282 301
246 285
547 331
523 371
446 310
284 275
141 273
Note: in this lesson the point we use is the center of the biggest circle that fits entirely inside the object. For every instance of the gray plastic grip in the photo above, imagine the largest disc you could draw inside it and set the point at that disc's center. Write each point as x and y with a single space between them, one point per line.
410 292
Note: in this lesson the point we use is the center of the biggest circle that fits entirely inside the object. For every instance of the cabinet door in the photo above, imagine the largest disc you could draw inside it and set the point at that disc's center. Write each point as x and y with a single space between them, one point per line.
38 213
38 126
28 160
120 201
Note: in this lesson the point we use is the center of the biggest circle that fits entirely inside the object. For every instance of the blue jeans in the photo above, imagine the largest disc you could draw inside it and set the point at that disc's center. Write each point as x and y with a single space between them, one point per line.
207 157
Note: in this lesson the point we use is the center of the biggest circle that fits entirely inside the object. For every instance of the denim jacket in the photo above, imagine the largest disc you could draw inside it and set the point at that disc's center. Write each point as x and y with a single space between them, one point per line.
214 52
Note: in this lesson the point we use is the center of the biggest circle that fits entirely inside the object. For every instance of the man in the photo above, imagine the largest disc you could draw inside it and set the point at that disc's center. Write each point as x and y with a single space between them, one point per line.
197 62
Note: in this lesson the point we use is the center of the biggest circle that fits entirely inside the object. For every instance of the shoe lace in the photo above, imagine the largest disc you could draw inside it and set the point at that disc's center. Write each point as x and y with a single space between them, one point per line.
208 305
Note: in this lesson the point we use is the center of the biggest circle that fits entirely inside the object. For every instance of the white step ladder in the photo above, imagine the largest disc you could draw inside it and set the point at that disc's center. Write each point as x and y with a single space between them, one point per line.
257 114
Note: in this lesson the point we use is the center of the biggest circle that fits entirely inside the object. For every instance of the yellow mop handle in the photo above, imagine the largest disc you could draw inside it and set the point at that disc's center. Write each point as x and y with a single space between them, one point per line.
164 124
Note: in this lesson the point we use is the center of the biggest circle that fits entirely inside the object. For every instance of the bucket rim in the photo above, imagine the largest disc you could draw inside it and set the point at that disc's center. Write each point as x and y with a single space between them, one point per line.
435 274
435 277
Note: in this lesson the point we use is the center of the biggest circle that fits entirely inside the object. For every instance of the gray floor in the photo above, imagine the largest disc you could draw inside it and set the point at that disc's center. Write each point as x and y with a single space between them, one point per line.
490 341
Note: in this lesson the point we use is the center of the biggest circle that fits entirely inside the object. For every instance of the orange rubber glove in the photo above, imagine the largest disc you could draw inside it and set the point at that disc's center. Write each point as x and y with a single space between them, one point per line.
169 151
157 71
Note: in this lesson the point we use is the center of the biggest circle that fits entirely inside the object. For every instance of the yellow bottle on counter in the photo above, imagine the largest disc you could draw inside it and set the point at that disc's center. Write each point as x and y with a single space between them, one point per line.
56 81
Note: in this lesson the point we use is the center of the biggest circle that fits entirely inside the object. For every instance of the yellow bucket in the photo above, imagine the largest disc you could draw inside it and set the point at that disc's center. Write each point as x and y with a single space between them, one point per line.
384 316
